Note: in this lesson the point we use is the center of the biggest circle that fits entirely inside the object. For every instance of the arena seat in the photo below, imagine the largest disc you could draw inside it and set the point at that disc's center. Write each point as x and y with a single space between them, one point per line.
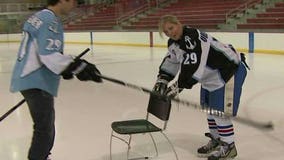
105 16
272 18
100 17
204 14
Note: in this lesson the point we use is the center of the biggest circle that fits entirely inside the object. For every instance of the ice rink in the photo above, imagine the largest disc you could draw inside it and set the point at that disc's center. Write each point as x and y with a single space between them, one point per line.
85 110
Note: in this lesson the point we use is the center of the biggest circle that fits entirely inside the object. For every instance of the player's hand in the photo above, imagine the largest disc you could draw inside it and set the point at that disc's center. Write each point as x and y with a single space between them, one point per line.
88 72
160 87
67 76
173 90
83 70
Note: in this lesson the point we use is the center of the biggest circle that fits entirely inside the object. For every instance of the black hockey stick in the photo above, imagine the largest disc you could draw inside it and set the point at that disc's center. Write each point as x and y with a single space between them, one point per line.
82 54
259 125
12 109
23 100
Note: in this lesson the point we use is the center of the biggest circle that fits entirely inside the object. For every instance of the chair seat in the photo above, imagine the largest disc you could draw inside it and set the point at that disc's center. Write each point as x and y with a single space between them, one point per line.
134 126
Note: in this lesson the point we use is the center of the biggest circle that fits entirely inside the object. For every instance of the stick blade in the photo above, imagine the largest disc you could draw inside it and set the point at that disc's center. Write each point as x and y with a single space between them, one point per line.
269 125
256 124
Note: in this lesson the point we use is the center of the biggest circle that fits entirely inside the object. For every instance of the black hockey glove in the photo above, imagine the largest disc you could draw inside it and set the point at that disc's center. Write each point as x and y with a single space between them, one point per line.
83 70
173 90
67 76
67 73
161 85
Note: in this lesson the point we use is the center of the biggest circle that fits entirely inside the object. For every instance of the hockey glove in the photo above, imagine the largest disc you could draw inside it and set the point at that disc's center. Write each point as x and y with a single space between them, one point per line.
67 73
83 70
173 90
161 85
67 76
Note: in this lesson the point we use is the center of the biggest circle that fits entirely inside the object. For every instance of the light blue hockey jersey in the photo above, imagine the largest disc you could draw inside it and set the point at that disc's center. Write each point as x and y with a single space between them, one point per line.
40 57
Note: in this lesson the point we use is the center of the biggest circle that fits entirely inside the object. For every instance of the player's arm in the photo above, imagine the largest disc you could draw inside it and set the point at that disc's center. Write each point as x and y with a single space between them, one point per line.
167 70
50 53
66 66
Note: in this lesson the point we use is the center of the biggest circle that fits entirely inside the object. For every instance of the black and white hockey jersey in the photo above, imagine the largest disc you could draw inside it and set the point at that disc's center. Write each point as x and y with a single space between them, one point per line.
199 57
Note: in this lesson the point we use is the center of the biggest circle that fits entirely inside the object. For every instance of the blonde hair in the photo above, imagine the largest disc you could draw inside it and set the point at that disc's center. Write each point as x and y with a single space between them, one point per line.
167 19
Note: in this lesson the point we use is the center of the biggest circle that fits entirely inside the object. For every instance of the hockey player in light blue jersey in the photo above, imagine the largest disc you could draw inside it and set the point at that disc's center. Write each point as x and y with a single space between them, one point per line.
39 66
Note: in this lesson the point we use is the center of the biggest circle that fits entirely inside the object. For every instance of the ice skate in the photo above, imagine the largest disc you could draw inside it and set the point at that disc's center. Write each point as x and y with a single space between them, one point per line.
211 146
224 151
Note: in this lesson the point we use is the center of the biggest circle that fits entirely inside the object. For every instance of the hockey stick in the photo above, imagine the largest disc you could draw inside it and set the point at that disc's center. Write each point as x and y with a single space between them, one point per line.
82 54
259 125
23 100
12 109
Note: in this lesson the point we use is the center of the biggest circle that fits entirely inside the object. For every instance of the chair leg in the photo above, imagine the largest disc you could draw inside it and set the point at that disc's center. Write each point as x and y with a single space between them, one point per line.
172 146
147 157
110 146
155 145
128 147
123 140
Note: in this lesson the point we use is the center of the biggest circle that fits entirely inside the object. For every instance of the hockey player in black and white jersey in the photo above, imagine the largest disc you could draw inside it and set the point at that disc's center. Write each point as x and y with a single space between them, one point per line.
197 57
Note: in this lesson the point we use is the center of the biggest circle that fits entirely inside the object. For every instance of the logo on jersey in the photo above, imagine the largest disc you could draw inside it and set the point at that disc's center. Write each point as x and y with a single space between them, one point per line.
189 43
53 27
35 21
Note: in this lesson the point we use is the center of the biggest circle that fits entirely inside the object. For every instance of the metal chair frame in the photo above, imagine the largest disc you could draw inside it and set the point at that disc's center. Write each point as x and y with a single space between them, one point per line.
153 102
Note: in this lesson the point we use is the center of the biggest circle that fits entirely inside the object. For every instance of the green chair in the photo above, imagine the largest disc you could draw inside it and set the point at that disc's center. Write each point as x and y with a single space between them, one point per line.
157 107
